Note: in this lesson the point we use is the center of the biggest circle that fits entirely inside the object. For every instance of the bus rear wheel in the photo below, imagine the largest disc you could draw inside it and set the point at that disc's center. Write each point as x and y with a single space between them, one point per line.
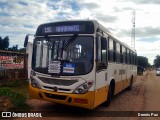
130 86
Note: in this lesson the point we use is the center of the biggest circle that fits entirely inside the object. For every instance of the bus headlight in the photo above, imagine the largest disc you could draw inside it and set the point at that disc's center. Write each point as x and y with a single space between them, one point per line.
34 83
83 88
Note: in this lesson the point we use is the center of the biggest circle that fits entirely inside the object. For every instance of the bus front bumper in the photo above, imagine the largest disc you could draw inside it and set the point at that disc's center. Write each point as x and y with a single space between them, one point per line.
80 100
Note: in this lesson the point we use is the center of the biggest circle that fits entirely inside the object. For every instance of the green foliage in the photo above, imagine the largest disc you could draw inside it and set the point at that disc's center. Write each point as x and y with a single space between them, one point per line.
13 48
157 61
18 99
17 96
4 43
22 50
142 63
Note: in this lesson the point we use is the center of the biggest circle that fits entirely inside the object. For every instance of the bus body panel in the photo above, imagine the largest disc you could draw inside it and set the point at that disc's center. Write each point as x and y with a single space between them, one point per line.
128 75
117 77
81 100
101 95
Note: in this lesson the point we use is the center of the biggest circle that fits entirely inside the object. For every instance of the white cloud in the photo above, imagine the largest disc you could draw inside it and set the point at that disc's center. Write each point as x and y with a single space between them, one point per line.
21 17
148 49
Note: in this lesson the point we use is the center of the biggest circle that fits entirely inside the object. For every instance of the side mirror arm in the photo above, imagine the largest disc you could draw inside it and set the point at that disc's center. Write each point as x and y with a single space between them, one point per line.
26 39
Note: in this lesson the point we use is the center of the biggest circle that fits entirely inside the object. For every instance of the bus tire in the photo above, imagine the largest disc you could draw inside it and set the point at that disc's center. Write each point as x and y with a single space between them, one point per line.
131 83
109 97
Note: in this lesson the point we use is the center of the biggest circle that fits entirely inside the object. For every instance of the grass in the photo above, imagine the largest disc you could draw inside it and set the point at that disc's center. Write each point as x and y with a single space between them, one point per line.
17 92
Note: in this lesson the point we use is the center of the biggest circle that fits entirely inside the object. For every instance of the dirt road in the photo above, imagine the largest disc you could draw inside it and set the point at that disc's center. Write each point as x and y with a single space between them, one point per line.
152 92
145 96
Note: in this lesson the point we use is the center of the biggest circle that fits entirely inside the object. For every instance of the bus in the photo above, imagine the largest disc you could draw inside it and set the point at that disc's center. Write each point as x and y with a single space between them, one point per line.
79 63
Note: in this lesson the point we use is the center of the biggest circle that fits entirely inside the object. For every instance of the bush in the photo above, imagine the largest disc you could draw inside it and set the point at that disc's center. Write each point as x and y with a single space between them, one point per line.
13 84
18 99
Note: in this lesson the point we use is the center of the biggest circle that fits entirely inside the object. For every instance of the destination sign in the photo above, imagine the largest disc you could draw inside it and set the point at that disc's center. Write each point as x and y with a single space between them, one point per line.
68 27
65 28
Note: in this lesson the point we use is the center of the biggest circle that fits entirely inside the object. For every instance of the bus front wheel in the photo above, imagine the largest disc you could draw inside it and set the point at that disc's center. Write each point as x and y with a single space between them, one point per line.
109 97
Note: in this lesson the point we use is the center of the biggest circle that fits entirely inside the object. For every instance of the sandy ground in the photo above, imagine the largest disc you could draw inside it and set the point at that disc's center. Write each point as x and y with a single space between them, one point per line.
152 94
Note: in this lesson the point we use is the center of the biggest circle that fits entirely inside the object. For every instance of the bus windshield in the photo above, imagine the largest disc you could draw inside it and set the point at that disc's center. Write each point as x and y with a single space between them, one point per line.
69 55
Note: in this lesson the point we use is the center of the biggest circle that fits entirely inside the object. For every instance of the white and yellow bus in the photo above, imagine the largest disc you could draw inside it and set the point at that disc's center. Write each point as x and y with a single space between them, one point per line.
79 63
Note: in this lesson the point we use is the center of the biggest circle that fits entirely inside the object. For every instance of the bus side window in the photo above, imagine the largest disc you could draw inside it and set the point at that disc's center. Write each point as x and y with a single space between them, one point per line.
130 57
114 52
111 50
121 54
124 54
104 50
98 48
135 59
118 58
127 56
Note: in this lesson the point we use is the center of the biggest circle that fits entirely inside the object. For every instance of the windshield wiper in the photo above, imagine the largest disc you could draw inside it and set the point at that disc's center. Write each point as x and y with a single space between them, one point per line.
69 41
65 45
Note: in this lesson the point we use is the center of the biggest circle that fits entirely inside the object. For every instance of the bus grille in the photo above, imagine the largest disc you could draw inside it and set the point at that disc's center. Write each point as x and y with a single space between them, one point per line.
53 96
58 81
62 89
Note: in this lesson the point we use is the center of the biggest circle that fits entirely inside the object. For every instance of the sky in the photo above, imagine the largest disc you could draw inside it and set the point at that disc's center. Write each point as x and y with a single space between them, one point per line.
21 17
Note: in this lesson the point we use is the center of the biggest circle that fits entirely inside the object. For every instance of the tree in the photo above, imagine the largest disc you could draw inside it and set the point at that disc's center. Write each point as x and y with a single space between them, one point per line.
22 50
157 61
142 63
4 43
13 48
1 40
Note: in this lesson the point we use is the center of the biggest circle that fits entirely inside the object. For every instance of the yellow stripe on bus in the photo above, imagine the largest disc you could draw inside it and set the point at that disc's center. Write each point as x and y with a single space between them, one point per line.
36 93
100 95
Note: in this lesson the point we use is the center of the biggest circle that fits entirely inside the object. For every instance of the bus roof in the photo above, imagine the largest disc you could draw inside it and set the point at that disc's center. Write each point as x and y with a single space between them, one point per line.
97 26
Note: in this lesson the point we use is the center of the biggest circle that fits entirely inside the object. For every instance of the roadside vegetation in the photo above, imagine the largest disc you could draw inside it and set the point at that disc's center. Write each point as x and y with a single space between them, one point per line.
142 64
157 61
13 96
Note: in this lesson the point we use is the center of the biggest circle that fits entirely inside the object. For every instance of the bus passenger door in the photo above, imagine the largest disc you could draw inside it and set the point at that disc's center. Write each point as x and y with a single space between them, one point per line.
101 70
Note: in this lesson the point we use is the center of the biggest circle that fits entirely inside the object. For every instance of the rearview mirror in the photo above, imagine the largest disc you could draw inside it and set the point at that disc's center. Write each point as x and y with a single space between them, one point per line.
26 41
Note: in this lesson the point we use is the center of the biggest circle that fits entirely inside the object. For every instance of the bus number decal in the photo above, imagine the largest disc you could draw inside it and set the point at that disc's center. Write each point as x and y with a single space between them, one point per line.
48 29
68 68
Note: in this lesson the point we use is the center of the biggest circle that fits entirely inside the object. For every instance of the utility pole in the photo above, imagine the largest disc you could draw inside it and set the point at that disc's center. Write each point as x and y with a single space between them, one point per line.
133 30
